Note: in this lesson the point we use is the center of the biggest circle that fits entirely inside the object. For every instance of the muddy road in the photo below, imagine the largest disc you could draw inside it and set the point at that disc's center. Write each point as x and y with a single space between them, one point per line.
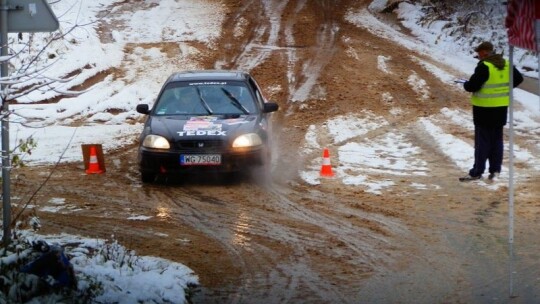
282 240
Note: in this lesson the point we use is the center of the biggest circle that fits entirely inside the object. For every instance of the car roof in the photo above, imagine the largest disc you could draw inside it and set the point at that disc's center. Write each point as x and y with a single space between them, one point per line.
196 75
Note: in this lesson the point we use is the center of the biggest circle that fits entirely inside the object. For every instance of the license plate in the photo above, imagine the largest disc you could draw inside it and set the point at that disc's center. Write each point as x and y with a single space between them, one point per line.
200 159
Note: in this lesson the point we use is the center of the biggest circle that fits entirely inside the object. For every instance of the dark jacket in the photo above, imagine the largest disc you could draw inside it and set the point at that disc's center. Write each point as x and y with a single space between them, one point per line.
495 116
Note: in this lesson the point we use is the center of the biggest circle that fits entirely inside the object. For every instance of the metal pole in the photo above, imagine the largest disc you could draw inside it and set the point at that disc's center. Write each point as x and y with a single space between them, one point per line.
6 167
511 176
537 26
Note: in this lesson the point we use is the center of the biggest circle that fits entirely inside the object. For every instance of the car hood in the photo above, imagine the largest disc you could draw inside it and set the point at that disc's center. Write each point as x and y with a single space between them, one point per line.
202 127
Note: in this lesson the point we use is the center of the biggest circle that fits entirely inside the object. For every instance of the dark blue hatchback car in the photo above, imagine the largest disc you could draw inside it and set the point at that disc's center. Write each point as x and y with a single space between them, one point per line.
210 120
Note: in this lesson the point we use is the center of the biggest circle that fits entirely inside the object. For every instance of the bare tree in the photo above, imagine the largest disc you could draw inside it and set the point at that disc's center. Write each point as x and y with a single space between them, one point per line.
29 62
29 65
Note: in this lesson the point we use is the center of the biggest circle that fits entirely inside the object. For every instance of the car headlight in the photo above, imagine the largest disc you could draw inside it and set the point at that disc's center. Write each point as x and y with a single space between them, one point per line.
156 142
247 140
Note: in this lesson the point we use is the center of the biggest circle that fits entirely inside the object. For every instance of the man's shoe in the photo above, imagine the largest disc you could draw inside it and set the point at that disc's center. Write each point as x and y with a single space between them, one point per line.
469 178
493 176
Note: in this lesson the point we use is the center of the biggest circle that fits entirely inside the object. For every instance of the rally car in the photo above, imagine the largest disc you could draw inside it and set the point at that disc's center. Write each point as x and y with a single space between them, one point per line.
211 120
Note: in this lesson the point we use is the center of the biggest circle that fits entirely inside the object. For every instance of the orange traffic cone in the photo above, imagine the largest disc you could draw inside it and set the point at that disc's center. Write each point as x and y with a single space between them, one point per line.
326 168
93 164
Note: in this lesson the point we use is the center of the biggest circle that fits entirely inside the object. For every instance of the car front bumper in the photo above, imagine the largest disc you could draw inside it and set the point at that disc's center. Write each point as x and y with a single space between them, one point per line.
168 163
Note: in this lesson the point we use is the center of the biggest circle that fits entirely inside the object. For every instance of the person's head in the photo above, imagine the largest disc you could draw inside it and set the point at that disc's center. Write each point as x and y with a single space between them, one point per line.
484 49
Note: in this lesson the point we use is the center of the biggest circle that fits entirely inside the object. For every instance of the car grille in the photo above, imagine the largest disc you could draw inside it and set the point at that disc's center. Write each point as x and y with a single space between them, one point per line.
200 144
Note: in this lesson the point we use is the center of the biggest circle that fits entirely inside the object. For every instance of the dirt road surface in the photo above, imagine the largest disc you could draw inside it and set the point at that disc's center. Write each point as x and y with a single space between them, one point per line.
286 241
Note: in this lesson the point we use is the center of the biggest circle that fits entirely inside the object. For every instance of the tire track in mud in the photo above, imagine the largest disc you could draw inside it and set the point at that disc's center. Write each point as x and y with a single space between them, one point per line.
228 223
218 225
269 34
304 71
262 37
360 240
212 228
276 242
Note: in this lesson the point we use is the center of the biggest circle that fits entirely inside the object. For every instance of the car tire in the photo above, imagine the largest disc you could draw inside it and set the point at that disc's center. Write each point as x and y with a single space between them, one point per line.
261 172
147 177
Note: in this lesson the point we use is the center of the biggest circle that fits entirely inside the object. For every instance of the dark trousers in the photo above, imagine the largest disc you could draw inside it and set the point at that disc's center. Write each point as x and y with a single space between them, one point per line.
488 146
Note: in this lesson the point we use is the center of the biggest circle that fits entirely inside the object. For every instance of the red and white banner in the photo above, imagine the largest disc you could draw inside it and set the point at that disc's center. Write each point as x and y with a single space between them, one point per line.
523 22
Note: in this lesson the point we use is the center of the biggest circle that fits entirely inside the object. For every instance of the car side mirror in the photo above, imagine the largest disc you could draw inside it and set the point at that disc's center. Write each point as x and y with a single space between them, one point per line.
143 108
270 107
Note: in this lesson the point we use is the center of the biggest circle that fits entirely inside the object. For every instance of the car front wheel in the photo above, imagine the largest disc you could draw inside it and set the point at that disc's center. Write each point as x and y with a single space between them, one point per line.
147 177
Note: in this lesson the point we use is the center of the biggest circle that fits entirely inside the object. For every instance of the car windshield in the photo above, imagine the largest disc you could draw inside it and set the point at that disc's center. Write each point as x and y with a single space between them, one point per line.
205 98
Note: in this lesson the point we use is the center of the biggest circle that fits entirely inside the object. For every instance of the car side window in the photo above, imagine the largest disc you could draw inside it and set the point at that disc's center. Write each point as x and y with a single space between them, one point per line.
258 94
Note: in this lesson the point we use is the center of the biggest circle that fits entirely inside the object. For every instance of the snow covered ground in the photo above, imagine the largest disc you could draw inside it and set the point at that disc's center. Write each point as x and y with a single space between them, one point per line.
52 125
125 277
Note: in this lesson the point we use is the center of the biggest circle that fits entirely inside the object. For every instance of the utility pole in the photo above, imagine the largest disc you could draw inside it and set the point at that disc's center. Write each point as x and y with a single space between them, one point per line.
6 166
16 16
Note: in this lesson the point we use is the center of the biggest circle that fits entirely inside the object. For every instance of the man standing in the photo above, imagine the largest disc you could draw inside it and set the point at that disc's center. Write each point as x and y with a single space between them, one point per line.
490 85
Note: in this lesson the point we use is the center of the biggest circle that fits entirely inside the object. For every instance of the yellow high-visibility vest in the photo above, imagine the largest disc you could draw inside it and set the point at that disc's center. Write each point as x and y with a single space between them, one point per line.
496 90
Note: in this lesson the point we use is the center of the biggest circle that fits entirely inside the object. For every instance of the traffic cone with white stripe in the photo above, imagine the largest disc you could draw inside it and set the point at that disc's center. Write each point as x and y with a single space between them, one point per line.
93 164
326 168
